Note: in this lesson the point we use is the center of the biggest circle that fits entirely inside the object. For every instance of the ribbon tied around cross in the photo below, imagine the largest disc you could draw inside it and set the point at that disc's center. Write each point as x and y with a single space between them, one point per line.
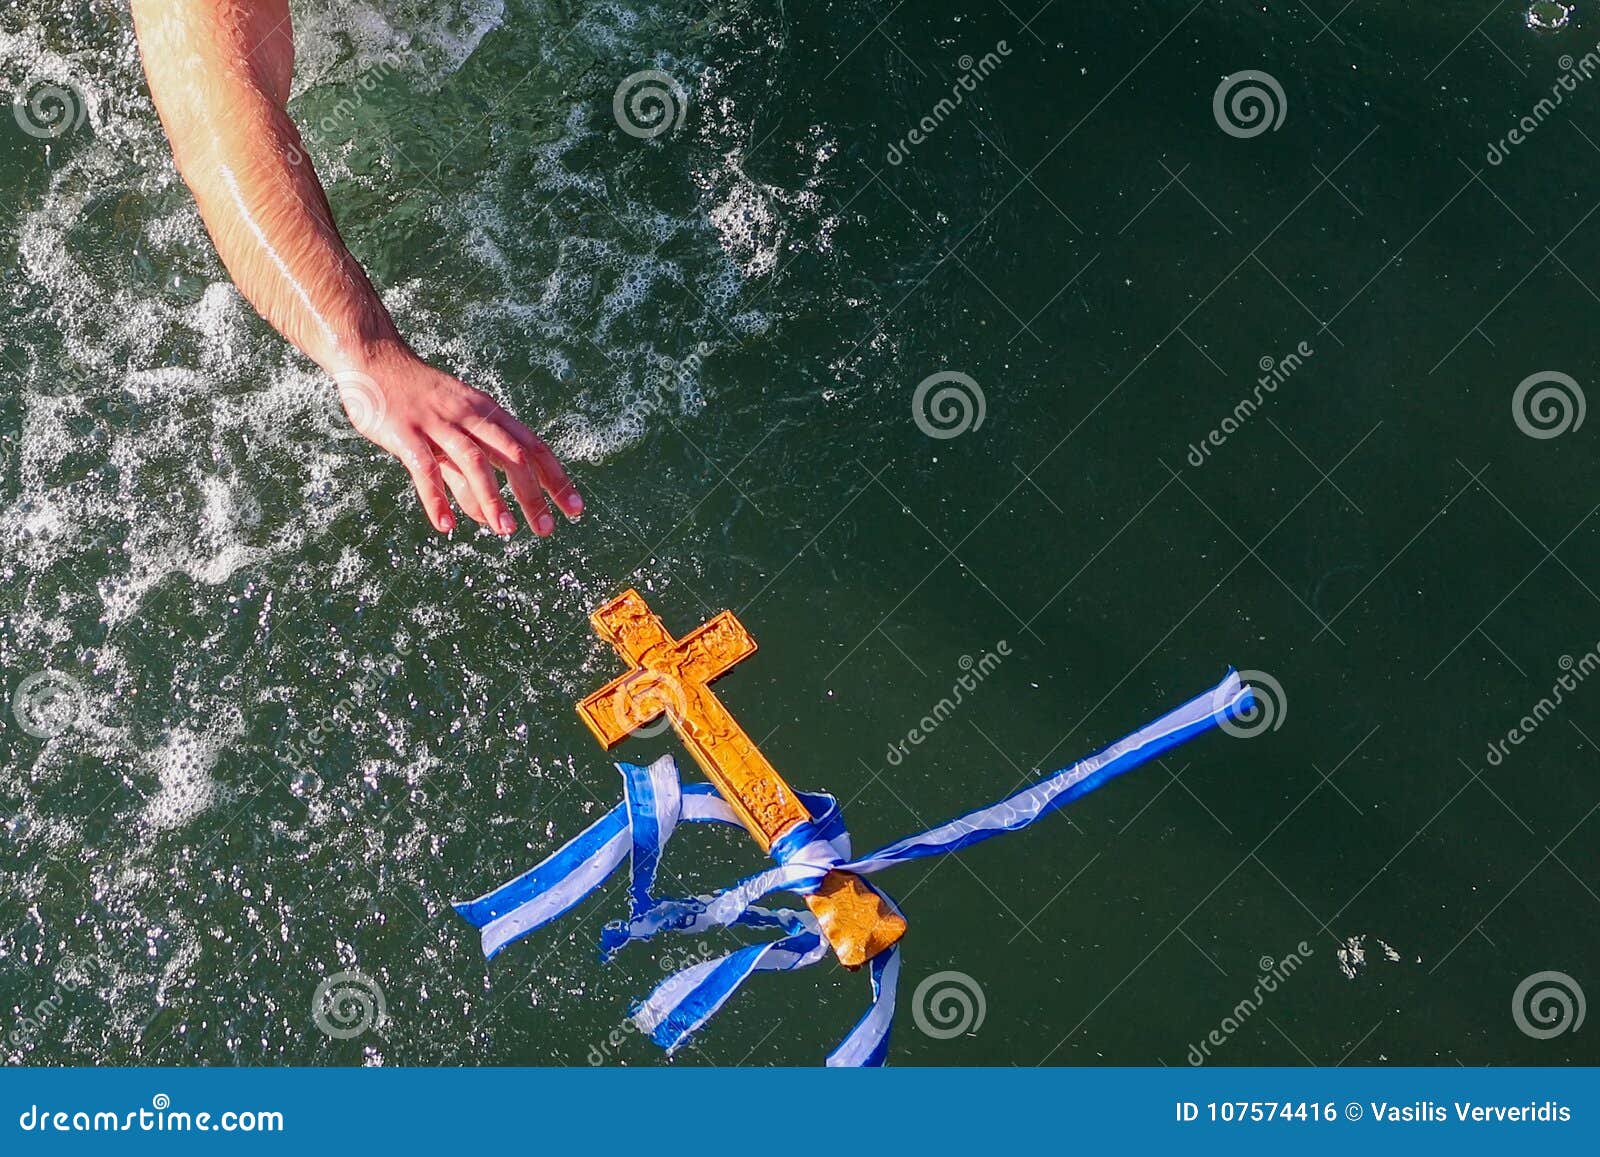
807 858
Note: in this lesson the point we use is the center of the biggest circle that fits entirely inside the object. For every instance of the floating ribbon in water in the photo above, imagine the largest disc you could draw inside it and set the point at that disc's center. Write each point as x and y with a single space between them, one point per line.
655 802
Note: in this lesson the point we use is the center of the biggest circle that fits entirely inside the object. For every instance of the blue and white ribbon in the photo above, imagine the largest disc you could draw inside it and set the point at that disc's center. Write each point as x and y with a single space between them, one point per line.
655 802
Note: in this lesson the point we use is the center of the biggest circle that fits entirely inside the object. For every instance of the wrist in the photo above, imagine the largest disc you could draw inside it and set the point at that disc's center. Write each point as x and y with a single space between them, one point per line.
372 357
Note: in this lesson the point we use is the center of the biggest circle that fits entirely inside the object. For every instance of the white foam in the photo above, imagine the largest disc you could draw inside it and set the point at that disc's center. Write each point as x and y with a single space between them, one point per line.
168 438
183 764
337 40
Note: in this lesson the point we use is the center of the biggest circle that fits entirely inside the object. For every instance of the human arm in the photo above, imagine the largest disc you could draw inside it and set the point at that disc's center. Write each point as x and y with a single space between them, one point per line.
219 72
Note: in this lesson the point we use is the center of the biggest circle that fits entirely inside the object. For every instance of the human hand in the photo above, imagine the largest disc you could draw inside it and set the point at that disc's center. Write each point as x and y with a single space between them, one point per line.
220 74
451 436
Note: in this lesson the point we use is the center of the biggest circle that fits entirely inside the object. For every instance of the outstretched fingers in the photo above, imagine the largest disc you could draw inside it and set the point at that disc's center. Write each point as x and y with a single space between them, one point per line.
461 489
417 457
460 459
474 465
552 475
513 457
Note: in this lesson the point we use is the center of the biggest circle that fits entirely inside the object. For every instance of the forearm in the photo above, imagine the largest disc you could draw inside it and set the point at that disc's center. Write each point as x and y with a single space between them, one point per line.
219 71
219 74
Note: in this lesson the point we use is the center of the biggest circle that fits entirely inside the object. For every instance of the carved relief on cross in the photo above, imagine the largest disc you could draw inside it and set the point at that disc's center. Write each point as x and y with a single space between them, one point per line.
672 677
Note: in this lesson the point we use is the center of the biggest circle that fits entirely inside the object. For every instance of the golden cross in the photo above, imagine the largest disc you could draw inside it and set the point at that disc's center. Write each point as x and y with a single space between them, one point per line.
671 677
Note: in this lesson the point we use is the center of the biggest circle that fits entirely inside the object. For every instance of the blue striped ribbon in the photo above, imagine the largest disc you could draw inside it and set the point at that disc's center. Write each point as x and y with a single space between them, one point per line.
655 802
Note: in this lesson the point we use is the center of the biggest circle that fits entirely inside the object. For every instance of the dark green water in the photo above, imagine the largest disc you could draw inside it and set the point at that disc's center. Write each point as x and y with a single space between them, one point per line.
298 725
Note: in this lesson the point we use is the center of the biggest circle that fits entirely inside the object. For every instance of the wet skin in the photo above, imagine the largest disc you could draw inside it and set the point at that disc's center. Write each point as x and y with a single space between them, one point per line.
219 72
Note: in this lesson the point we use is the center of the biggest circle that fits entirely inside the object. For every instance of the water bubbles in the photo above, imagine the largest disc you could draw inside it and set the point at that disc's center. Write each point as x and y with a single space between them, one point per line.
1549 15
183 764
178 506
